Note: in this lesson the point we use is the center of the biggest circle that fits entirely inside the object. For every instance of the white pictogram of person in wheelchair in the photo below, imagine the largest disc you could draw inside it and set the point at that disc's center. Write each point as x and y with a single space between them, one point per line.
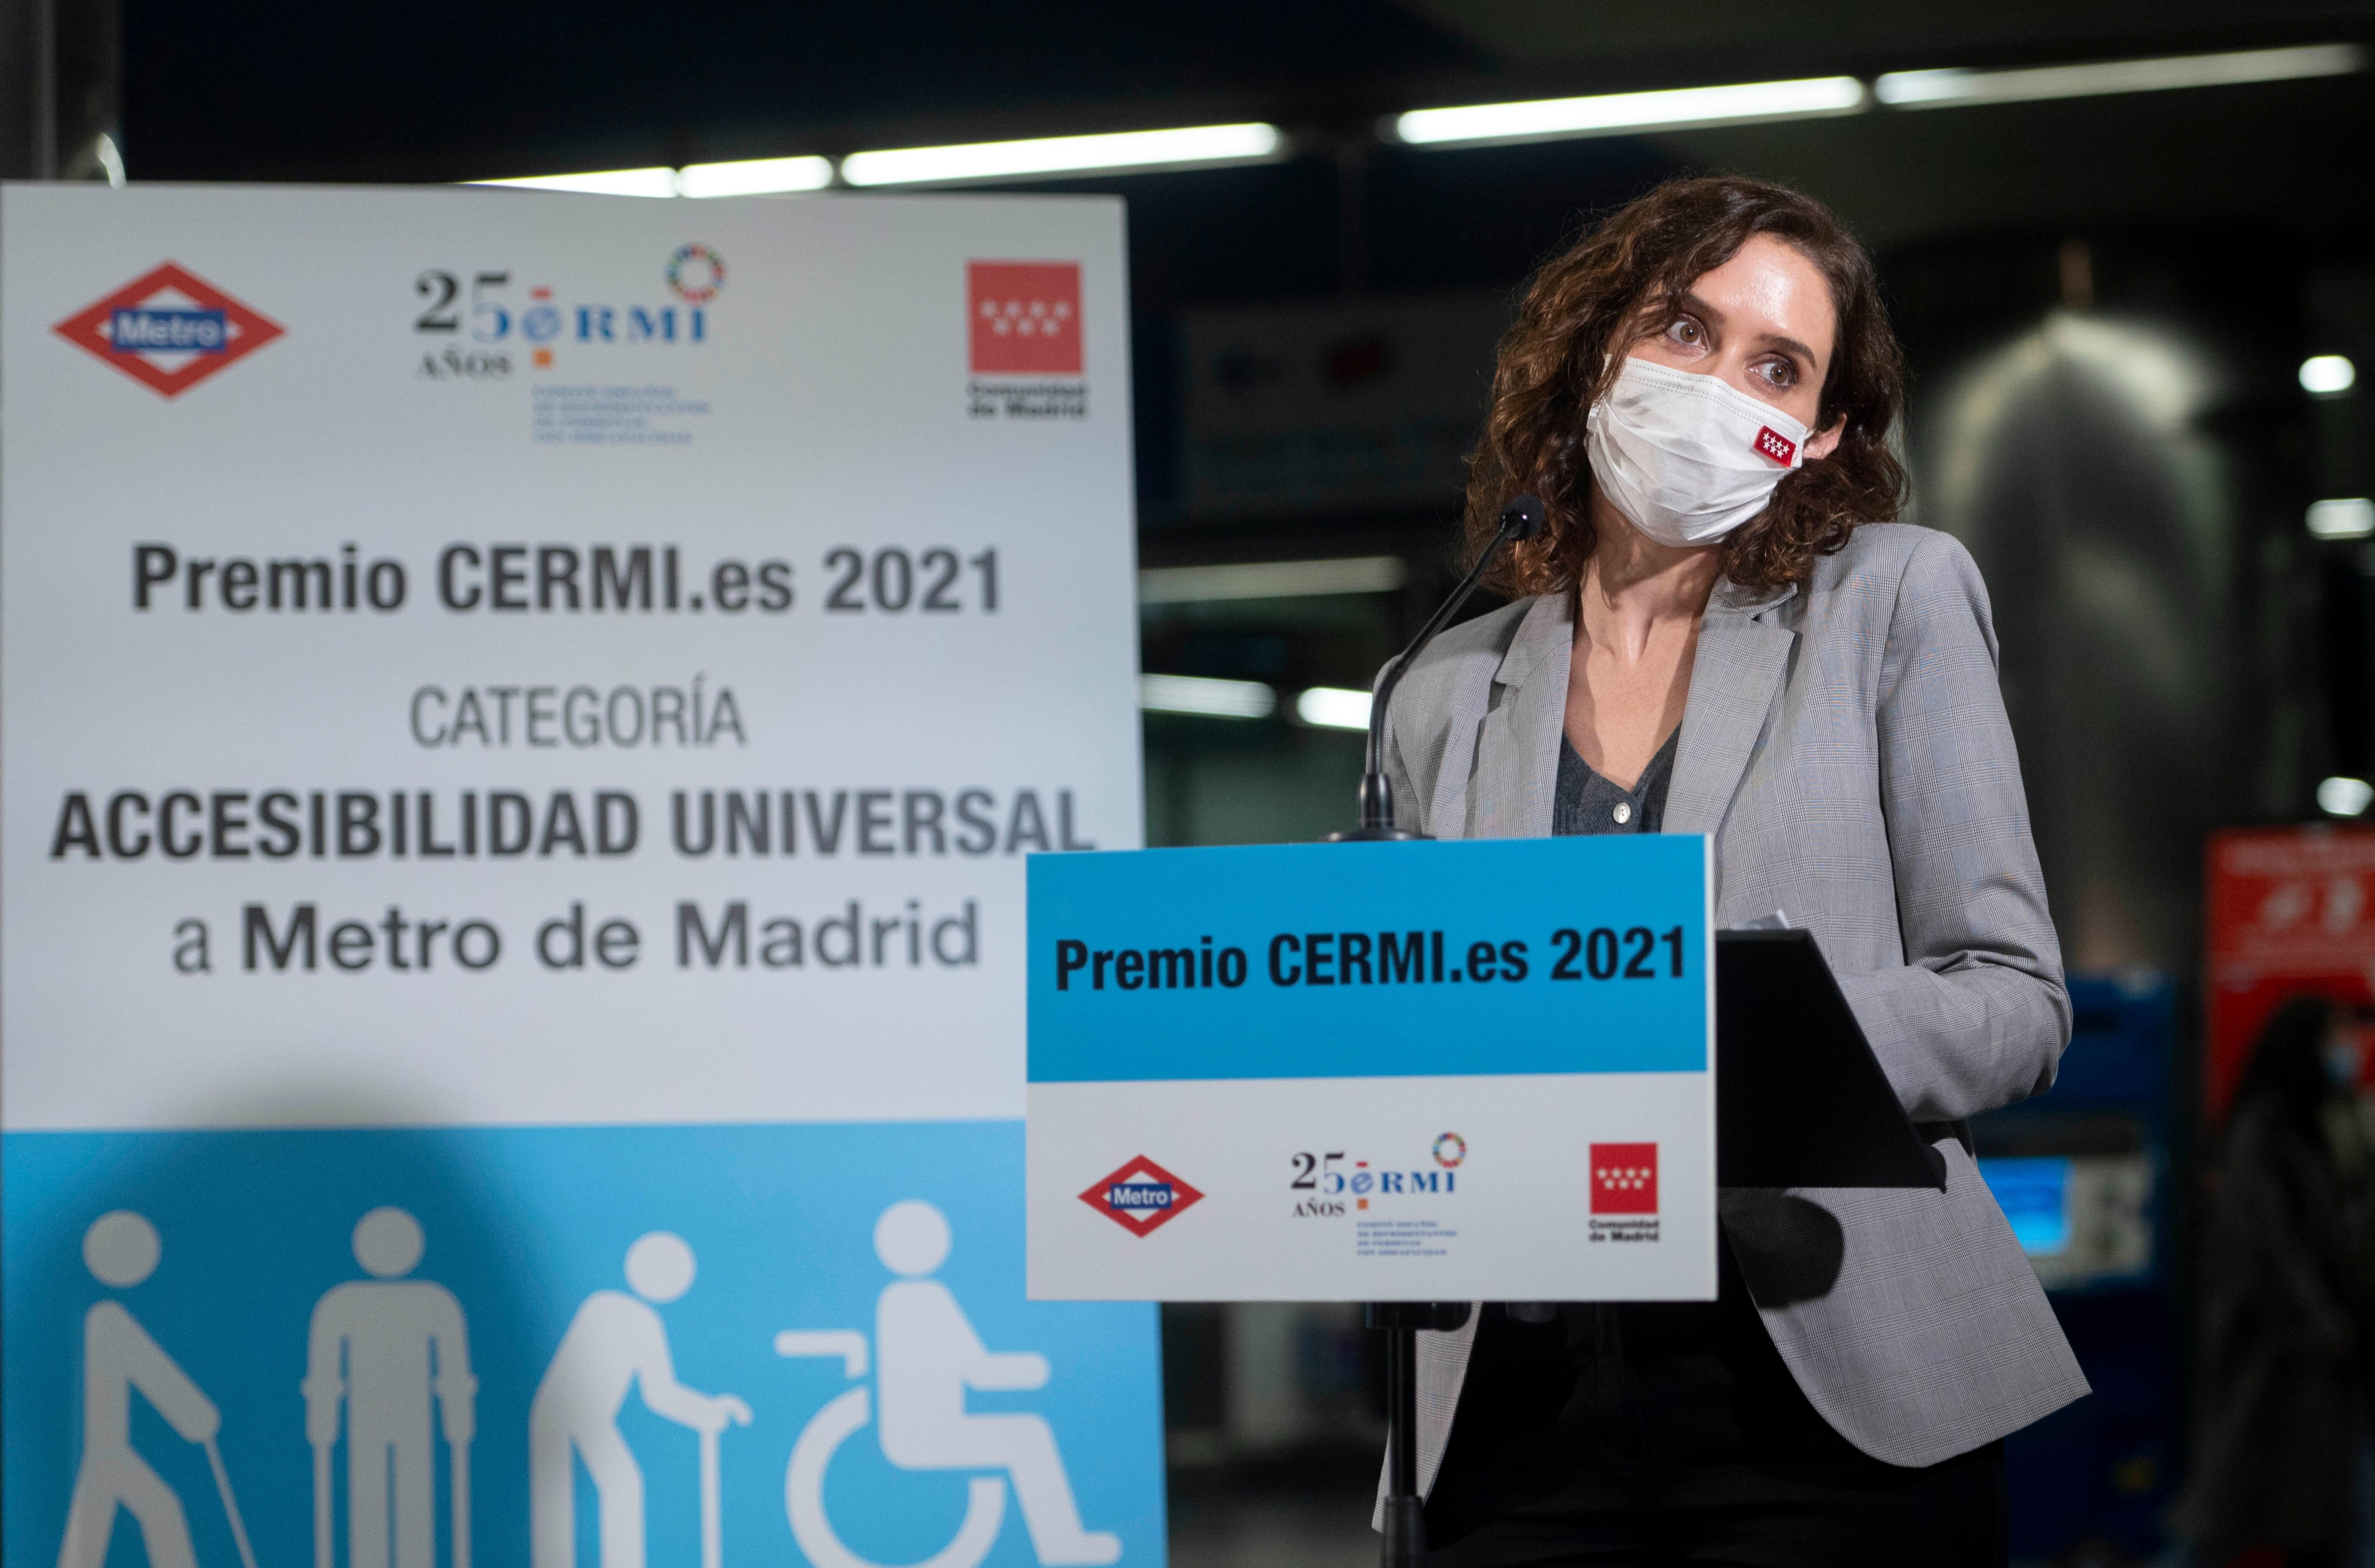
927 1356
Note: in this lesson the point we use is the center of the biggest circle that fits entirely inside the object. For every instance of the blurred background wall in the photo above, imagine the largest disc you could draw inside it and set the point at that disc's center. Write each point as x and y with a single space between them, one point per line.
2134 319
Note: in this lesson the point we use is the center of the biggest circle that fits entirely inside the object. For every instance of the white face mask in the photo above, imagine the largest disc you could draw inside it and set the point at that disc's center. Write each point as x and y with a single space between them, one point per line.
1686 457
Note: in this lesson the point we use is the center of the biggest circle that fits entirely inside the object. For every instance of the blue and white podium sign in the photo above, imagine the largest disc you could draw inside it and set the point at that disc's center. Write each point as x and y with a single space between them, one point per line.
522 719
1376 1071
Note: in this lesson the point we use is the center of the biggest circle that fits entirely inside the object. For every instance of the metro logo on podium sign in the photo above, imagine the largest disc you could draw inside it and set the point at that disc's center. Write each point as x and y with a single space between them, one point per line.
169 329
1304 1026
1140 1195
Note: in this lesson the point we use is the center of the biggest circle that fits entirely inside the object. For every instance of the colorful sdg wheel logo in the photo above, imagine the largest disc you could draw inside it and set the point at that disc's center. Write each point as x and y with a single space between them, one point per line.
696 273
1451 1149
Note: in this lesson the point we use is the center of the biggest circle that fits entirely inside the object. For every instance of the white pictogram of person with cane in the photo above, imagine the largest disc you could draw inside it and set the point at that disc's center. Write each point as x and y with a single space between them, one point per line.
615 1342
121 1250
374 1348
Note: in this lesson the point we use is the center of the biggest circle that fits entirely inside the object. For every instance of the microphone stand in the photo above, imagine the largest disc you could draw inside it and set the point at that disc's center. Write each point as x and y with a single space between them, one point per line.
1404 1544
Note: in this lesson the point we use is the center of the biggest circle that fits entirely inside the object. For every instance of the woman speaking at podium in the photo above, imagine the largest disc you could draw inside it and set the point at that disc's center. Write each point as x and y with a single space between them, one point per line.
1722 630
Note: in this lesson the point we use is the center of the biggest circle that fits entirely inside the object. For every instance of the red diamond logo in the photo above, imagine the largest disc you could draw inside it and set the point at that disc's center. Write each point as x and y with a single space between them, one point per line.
169 330
1141 1196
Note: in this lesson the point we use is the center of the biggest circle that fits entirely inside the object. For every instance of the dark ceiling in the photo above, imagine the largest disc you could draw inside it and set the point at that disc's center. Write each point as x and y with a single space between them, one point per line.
442 90
445 89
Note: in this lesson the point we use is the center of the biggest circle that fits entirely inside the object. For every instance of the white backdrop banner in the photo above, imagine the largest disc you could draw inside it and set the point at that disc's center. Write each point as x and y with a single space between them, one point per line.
520 719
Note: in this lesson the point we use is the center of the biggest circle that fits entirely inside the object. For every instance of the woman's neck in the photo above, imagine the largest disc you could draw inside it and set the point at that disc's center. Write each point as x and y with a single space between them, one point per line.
1634 586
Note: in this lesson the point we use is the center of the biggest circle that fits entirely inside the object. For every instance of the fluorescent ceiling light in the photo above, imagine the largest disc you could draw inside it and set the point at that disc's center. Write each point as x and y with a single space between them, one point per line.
1205 697
1333 707
1932 89
1610 112
1063 155
754 177
2345 796
2327 375
2353 518
609 183
1270 579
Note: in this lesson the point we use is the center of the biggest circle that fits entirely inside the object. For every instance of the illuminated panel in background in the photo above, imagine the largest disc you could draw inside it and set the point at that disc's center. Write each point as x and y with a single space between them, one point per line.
2033 1193
1611 113
1191 146
658 181
1205 697
1934 89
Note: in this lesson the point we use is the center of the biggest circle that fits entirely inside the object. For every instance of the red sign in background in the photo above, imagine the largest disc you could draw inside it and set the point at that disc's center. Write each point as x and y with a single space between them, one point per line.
2289 909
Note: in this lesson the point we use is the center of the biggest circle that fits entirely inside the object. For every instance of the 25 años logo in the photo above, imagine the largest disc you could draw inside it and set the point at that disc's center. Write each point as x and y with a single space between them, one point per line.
1324 1182
482 324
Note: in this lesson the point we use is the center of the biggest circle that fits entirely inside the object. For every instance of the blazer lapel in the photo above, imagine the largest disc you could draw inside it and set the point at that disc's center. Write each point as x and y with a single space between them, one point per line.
1517 749
1733 679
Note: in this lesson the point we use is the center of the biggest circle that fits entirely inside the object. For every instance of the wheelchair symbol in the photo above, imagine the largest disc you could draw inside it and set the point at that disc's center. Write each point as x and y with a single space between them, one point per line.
928 1357
832 1426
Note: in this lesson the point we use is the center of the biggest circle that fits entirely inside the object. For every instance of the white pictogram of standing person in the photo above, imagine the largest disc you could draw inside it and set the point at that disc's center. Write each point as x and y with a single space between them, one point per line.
381 1347
121 1249
928 1357
613 1342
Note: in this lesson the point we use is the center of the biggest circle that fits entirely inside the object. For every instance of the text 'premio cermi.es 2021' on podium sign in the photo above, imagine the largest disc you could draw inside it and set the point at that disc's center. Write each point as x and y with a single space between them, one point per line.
1372 1071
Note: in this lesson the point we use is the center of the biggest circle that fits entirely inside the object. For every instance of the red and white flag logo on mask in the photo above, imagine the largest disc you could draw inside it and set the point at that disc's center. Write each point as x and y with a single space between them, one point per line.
1772 443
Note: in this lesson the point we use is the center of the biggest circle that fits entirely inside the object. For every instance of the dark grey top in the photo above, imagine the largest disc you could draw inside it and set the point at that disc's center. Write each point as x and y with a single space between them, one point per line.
1587 803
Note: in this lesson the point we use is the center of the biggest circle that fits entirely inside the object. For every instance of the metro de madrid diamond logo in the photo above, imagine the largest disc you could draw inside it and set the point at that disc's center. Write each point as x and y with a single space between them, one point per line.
1624 1178
169 330
1027 317
1141 1196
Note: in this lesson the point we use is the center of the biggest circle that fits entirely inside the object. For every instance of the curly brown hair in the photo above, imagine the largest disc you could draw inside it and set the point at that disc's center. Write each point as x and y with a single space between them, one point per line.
1585 308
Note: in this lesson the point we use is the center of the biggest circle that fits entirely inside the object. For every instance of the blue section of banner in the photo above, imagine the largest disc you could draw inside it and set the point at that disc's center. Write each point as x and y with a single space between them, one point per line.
1584 954
527 1231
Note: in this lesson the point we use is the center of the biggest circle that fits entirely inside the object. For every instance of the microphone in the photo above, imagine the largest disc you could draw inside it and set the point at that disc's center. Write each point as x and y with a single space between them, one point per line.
1521 520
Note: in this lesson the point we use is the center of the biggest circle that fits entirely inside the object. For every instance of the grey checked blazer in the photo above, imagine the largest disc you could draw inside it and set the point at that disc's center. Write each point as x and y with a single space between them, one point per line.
1847 746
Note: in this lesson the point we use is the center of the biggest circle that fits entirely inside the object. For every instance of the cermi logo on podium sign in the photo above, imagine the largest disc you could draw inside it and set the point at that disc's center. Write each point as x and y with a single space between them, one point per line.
169 329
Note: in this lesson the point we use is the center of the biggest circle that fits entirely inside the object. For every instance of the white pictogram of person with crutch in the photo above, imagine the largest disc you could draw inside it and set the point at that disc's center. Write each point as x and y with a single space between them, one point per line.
616 1341
121 1250
374 1347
